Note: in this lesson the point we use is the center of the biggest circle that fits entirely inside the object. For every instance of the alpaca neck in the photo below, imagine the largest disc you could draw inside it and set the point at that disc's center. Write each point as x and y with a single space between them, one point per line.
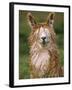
40 58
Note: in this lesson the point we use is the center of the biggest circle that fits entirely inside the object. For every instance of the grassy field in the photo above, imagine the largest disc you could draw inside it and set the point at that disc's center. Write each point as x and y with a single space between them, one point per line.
24 31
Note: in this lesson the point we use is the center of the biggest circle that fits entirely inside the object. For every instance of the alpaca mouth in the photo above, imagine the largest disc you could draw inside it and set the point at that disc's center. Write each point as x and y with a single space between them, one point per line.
44 42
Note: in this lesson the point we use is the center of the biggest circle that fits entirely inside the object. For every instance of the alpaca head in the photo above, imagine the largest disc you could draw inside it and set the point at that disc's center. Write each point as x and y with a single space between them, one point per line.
41 33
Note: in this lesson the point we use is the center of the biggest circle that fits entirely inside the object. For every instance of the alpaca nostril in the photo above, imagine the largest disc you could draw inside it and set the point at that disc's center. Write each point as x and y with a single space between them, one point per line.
43 38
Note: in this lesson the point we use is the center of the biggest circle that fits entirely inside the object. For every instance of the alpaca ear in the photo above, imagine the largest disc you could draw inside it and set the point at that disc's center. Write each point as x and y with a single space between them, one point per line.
31 20
50 19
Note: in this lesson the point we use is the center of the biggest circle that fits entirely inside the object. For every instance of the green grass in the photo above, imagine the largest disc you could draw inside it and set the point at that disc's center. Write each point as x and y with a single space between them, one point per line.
24 67
24 31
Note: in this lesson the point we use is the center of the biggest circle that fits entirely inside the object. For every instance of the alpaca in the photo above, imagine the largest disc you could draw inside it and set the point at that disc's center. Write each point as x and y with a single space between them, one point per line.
44 56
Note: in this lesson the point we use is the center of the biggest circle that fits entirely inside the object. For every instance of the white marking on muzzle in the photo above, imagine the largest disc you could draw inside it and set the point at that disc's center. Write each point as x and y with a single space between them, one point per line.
42 32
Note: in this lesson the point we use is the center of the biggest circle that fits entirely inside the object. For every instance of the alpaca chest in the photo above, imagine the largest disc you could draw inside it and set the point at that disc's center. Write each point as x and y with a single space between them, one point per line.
40 60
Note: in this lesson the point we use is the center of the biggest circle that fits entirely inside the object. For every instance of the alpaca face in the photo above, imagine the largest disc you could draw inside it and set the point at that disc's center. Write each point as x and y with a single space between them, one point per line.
44 36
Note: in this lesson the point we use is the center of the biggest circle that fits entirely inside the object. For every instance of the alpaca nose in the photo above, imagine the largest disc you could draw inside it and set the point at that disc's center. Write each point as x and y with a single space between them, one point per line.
43 38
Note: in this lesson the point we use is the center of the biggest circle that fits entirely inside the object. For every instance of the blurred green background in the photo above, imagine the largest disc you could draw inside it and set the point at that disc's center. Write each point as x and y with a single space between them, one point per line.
24 31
